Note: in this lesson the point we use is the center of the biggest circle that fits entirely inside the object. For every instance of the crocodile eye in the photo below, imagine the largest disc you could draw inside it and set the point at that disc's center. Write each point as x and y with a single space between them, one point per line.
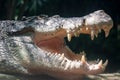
12 24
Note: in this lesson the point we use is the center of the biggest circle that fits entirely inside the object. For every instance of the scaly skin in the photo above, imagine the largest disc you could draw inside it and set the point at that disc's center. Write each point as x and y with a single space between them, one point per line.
36 46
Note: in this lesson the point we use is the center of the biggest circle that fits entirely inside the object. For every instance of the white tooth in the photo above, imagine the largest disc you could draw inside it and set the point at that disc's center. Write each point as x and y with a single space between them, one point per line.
96 34
58 59
100 64
77 64
92 35
61 56
106 63
63 63
86 28
67 64
106 33
76 34
106 30
68 31
72 65
83 59
52 56
69 36
56 56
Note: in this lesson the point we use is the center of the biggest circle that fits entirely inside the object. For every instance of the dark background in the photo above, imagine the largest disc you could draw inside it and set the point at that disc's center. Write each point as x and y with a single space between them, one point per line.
101 47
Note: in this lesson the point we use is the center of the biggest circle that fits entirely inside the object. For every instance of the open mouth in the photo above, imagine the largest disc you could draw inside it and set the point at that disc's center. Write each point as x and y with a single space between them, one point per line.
53 43
57 56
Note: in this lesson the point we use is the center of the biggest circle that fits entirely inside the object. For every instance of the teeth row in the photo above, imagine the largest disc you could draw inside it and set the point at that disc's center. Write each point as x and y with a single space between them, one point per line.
92 33
60 61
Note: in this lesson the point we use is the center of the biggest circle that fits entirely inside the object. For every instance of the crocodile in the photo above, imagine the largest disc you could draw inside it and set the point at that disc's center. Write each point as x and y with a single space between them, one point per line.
36 46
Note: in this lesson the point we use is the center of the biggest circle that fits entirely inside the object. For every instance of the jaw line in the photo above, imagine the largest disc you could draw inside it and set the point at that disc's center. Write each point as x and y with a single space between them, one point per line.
62 64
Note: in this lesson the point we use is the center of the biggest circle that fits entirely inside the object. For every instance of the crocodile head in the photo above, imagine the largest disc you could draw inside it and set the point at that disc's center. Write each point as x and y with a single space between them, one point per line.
43 49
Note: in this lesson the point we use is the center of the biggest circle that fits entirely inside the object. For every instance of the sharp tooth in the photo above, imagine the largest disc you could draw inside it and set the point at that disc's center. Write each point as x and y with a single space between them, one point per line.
92 35
61 56
106 33
56 56
52 56
86 28
76 34
69 36
63 62
83 59
106 63
67 64
100 64
96 34
107 30
72 65
77 64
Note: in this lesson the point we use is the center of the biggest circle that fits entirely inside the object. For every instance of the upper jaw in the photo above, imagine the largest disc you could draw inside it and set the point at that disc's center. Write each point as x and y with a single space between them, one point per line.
57 26
90 24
